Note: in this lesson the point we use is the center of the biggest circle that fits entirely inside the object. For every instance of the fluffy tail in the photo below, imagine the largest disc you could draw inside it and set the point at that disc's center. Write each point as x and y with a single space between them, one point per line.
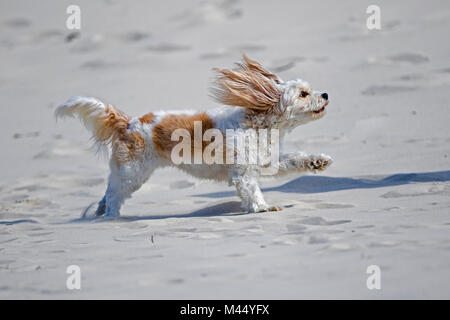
105 122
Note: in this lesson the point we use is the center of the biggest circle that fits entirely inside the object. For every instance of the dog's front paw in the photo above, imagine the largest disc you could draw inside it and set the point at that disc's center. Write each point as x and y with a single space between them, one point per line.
319 163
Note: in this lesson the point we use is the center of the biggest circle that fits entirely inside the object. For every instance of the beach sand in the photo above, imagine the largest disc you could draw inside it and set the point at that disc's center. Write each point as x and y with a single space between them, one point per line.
384 201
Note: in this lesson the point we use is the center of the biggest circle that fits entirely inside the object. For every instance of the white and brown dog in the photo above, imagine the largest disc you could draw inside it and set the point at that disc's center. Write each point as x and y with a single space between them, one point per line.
261 100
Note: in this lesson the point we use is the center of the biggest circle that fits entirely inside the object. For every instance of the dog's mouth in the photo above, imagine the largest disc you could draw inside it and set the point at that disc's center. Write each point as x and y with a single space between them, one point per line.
321 109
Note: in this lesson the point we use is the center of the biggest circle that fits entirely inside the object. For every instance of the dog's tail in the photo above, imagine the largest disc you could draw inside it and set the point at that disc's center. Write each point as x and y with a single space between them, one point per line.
104 121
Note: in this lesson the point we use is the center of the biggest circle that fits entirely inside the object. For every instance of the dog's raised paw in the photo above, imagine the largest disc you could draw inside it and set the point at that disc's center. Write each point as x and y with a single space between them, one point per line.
319 163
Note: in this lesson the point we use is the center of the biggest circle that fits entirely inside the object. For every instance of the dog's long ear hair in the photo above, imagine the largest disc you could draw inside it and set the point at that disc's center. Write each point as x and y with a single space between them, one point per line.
249 85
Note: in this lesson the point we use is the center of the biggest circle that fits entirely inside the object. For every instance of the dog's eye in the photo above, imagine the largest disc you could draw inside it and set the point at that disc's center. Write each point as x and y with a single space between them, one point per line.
304 94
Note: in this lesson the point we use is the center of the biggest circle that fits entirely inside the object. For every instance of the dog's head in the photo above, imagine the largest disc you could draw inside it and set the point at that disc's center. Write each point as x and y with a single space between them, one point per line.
252 86
299 103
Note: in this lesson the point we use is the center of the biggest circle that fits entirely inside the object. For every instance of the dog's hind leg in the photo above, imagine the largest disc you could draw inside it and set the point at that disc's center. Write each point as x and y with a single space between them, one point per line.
123 181
115 196
101 207
129 170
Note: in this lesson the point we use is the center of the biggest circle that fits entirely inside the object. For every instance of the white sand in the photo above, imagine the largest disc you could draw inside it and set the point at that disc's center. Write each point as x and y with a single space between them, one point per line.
388 117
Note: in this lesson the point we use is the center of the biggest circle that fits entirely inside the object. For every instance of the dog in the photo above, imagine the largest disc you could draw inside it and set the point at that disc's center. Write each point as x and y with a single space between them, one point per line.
253 98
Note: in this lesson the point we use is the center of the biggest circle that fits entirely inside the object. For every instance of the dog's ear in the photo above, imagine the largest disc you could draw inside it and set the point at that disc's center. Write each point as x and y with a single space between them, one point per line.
249 85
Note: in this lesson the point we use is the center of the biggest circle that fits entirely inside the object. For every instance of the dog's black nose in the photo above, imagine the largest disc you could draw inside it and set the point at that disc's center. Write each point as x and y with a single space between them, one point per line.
325 95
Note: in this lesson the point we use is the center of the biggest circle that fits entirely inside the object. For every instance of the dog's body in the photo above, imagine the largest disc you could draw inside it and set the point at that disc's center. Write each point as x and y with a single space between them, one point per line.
141 145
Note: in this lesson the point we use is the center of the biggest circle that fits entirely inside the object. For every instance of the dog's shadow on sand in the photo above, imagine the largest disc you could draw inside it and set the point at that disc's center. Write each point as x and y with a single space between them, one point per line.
321 184
301 185
229 208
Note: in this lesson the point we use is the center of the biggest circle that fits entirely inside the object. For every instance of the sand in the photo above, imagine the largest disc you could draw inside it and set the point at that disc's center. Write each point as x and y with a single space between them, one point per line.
384 201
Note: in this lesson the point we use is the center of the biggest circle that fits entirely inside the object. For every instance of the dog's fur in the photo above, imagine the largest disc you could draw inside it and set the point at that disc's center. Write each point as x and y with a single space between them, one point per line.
140 145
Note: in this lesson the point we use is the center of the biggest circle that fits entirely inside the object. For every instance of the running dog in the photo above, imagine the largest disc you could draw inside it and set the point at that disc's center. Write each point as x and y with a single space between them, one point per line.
254 98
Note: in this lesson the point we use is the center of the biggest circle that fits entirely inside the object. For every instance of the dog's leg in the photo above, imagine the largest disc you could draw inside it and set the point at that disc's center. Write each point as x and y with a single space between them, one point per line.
115 196
248 190
101 207
122 182
301 162
243 195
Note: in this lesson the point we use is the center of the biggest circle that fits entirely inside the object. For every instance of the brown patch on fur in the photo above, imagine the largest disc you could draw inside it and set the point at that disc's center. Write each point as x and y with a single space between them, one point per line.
147 118
162 131
111 126
112 129
249 86
128 147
